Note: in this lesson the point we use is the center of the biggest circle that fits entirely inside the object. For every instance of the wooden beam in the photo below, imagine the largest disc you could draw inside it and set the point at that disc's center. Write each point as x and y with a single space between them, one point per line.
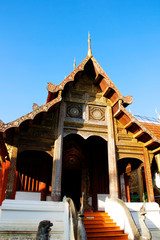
98 79
107 90
148 143
157 150
128 125
138 134
117 113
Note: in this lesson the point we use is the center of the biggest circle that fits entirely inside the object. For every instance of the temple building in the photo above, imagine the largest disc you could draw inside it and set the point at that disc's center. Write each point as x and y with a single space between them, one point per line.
83 139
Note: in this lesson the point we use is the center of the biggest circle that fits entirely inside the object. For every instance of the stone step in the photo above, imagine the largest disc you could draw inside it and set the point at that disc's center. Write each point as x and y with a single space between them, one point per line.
100 226
100 221
104 230
117 237
96 214
97 217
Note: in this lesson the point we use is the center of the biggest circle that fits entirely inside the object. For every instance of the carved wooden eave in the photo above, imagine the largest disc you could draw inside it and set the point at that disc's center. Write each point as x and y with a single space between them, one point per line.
101 78
140 132
30 116
107 86
53 89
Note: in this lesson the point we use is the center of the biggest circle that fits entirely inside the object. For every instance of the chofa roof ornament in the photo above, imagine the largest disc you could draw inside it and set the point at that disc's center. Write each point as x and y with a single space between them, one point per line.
157 115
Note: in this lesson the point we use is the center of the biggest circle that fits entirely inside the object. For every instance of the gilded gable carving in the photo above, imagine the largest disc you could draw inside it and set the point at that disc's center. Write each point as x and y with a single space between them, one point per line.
96 113
74 110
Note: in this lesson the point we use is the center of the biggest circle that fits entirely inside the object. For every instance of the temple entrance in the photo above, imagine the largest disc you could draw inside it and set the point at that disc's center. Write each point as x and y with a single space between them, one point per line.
98 168
84 169
73 158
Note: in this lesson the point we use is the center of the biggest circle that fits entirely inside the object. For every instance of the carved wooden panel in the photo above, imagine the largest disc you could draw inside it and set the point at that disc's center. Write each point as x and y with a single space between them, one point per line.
74 110
96 113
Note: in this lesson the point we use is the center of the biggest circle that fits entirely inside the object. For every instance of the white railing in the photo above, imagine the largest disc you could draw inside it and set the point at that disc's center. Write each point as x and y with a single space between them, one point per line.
119 212
70 219
74 225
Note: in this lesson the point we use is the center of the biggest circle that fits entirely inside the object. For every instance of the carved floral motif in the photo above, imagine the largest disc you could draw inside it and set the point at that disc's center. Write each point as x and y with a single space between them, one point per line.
74 110
96 113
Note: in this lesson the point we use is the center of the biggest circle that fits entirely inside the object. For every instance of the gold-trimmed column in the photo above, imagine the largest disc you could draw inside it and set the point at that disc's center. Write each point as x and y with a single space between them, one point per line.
57 158
148 176
11 182
112 161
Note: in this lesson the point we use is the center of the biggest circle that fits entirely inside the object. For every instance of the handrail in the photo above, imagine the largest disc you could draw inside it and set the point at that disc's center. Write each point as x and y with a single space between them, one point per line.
81 233
78 220
73 215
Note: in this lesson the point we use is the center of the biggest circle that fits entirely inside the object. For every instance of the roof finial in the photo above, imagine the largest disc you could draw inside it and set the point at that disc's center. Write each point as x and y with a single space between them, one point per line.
74 64
89 46
157 115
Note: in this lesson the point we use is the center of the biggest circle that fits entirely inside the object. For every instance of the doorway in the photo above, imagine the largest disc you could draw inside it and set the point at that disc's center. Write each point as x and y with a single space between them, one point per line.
73 157
71 185
84 169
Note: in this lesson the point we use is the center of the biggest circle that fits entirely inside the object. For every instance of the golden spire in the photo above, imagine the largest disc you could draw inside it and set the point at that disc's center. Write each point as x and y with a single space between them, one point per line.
74 64
89 46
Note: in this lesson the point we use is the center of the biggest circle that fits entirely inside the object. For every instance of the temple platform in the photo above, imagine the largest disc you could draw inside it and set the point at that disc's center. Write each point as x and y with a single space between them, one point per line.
20 219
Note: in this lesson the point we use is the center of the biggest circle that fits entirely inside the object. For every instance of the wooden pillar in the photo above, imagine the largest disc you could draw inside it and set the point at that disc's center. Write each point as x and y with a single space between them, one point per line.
148 176
140 183
123 188
43 190
112 161
57 158
10 191
3 179
2 175
157 158
127 187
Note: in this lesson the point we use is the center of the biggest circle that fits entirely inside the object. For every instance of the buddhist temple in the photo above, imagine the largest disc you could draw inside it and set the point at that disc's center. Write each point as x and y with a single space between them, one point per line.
83 139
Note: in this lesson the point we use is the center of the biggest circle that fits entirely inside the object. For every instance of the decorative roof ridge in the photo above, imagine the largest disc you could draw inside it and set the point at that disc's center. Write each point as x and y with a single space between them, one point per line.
53 88
29 116
128 99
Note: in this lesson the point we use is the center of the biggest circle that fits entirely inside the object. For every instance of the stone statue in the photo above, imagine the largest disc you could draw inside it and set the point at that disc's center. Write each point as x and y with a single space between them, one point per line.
43 230
145 233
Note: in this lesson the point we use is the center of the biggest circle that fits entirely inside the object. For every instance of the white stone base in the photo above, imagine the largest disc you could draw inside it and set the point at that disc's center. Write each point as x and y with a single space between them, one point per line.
20 218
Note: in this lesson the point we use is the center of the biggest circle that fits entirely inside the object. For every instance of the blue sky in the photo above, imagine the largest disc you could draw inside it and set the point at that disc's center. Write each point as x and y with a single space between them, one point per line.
39 40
